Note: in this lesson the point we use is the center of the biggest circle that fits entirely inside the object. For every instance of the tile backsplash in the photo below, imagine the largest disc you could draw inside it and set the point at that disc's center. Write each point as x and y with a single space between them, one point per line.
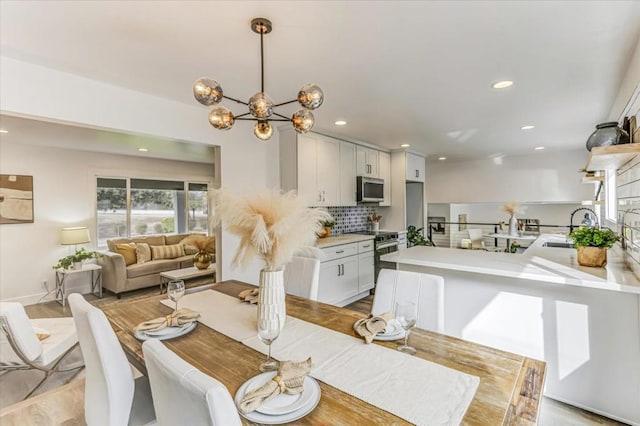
351 219
628 193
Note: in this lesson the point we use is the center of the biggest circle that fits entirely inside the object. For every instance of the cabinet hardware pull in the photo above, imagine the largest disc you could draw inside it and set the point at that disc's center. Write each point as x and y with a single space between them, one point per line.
342 266
367 246
340 251
338 270
417 173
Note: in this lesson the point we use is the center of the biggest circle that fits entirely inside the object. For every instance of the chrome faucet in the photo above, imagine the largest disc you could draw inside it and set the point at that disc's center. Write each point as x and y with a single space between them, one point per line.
595 216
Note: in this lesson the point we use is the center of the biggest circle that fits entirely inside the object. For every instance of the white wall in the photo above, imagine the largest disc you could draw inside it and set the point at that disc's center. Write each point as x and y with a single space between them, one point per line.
538 177
629 84
39 92
64 183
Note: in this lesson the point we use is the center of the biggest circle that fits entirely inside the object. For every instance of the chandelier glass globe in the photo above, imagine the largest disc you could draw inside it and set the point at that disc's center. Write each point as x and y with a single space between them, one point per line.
263 130
207 91
310 96
302 120
221 118
261 105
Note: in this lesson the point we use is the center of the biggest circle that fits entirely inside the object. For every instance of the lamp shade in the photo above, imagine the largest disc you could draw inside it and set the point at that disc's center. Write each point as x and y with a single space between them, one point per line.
77 235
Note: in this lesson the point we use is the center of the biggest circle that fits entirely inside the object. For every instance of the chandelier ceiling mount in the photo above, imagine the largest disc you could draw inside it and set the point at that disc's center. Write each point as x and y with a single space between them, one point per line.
261 108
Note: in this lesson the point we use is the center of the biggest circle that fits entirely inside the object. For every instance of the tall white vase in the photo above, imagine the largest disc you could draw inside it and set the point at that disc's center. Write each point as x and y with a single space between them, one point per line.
271 297
513 225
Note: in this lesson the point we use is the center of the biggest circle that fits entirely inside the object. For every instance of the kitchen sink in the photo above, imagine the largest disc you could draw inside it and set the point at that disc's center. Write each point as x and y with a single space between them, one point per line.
557 244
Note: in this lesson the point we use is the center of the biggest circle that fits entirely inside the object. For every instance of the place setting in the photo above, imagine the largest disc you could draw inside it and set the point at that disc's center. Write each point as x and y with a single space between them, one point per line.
284 391
389 326
176 324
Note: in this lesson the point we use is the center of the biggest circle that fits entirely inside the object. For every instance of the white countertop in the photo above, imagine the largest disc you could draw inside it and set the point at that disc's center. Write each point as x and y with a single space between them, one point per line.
342 239
538 263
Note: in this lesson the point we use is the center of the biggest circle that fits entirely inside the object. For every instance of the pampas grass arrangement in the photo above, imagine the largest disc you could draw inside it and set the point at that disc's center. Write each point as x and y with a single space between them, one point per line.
271 225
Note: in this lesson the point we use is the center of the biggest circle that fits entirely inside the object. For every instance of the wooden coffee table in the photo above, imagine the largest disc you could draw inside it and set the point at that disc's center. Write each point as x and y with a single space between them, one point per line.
186 274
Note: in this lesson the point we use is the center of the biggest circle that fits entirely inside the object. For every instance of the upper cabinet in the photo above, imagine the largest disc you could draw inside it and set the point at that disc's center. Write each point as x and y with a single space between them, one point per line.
324 169
385 173
347 174
415 168
367 162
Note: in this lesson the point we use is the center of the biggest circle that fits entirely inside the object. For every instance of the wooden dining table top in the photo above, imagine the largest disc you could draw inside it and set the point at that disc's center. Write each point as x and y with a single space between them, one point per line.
510 389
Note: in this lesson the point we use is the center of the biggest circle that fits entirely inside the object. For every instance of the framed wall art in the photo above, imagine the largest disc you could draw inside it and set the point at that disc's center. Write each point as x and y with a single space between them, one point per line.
16 199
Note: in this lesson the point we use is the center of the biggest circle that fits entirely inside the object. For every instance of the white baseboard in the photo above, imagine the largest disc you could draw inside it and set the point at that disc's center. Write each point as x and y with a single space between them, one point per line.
32 299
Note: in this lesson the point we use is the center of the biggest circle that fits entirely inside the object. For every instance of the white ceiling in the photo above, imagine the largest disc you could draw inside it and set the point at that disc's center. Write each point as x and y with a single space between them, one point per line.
398 72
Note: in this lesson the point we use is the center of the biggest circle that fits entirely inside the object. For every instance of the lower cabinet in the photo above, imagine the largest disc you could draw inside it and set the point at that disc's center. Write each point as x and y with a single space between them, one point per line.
366 276
347 272
338 280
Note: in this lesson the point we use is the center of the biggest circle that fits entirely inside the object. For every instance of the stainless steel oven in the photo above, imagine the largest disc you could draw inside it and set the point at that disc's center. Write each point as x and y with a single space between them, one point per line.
384 244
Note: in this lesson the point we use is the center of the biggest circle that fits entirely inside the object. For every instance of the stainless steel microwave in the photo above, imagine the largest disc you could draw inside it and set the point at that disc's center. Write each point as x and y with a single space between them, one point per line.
369 190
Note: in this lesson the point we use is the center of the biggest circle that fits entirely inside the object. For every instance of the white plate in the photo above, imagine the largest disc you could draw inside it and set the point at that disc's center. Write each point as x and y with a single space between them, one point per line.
179 331
166 330
303 405
393 332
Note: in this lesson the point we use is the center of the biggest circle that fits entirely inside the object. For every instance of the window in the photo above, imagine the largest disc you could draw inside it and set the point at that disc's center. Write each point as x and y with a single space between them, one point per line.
610 210
130 207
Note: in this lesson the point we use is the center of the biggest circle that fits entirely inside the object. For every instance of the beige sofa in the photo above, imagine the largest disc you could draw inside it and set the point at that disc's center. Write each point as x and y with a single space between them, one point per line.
118 277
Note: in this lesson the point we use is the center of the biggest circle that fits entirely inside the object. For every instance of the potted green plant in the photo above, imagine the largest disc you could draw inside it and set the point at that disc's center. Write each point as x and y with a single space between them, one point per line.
592 244
415 237
327 225
74 261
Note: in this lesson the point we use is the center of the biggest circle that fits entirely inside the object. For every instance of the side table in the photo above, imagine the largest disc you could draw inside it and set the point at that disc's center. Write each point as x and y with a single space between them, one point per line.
96 281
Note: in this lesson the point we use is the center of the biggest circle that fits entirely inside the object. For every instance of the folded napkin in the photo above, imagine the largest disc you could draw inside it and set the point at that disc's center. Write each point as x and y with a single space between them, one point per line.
180 317
290 380
250 296
373 324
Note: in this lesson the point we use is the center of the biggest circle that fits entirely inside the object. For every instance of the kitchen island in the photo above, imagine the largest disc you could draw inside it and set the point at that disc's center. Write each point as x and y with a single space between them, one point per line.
584 322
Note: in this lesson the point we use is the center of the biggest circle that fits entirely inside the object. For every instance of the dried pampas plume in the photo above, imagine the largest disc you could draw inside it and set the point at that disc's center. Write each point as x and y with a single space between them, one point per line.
271 225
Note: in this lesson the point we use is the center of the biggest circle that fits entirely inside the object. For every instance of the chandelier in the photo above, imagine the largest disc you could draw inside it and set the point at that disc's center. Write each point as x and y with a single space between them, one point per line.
261 108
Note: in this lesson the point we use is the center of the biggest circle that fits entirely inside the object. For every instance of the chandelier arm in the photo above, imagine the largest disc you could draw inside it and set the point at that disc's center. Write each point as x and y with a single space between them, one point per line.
260 119
235 100
285 103
282 116
241 115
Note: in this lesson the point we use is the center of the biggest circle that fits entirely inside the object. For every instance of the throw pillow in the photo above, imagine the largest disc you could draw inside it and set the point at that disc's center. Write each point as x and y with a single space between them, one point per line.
190 249
128 251
167 252
143 252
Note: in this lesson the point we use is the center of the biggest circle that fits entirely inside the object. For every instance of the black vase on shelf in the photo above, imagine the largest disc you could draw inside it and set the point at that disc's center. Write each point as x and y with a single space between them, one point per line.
607 134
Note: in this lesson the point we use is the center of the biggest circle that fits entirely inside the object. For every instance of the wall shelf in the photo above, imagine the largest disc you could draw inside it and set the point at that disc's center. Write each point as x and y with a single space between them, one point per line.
592 179
612 157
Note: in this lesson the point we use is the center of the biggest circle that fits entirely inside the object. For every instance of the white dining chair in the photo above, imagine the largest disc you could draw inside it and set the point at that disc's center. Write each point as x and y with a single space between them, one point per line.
424 289
301 277
112 396
20 348
476 236
182 394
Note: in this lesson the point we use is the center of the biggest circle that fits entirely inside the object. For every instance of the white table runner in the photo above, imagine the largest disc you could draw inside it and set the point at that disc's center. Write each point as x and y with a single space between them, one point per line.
412 388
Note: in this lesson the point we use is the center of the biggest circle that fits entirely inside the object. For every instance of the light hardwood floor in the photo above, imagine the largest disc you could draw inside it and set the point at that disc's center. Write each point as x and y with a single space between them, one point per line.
69 409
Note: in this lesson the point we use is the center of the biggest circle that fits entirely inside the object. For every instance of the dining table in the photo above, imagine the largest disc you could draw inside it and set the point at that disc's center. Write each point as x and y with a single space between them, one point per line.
509 391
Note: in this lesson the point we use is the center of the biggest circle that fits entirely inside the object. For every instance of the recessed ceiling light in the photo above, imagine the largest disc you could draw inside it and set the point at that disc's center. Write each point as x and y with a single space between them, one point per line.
539 148
442 158
502 84
528 127
405 145
143 149
4 131
340 123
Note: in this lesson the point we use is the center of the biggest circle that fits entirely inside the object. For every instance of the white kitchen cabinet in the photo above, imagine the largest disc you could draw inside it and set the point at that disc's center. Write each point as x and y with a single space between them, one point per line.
415 168
384 169
402 240
320 168
338 280
347 174
366 272
367 162
346 272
